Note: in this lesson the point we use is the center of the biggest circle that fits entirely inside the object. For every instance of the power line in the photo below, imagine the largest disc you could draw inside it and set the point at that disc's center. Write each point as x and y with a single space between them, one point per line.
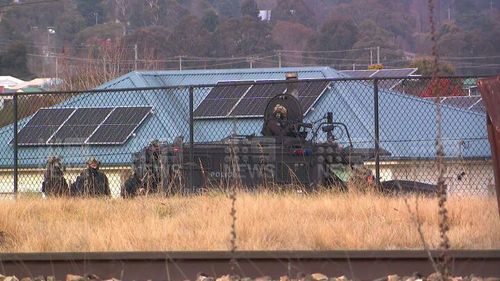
327 51
471 58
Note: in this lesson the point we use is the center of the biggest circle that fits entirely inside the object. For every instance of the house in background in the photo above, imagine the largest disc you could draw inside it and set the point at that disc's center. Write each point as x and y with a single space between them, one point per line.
407 126
42 84
9 81
6 82
265 15
9 85
18 85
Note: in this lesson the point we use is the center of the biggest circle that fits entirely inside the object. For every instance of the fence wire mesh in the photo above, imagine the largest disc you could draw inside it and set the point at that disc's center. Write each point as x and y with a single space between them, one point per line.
396 114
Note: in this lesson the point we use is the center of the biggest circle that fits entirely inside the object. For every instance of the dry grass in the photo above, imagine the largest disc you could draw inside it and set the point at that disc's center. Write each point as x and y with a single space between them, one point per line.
265 221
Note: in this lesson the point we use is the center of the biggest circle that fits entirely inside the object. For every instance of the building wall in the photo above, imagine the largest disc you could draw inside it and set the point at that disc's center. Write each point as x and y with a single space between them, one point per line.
30 180
462 177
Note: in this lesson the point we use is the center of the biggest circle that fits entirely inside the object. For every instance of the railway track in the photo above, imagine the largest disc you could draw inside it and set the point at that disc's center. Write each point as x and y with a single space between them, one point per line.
361 265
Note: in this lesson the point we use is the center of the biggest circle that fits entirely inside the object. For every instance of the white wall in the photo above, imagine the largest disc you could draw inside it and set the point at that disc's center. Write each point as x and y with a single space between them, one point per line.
30 180
478 178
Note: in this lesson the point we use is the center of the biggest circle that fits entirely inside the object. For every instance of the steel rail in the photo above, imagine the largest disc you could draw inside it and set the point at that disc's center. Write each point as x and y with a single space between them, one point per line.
359 265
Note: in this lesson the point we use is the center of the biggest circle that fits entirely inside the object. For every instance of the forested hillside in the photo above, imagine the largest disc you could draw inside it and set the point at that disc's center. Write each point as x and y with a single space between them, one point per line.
116 36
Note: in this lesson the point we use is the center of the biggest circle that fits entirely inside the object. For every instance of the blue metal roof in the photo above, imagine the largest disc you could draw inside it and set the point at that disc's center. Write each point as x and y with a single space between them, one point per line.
212 76
407 124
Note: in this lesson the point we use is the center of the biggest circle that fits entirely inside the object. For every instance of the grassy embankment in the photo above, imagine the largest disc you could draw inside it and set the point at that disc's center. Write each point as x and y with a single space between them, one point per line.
265 221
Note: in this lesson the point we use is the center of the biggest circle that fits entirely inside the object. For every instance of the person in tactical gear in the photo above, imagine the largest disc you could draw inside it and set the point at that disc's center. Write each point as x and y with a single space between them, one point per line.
91 182
131 188
146 175
54 183
278 125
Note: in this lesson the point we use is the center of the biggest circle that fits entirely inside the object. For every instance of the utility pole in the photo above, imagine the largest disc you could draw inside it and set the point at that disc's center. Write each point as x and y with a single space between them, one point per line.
449 14
96 15
180 61
279 59
50 30
371 56
378 55
135 57
251 60
57 68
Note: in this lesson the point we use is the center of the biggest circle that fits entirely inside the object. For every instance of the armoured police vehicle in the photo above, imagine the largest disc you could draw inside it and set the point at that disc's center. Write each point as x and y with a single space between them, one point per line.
288 151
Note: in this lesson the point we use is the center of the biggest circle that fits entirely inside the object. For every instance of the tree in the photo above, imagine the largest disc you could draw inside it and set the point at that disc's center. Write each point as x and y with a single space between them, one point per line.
152 10
100 33
25 18
104 63
244 37
292 36
425 67
227 8
256 37
189 37
210 20
91 10
443 87
467 12
151 41
227 38
398 21
371 35
294 11
451 40
68 25
338 33
14 61
249 8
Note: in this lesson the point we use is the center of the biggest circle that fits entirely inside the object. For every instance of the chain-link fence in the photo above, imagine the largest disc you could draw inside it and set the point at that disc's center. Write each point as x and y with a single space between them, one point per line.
390 123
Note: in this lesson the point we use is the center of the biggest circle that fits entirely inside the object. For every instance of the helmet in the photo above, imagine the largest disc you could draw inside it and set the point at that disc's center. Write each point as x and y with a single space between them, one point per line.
92 160
281 110
53 159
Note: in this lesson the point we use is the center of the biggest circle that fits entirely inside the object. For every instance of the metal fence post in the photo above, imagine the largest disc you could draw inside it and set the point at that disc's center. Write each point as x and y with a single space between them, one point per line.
377 135
15 142
191 136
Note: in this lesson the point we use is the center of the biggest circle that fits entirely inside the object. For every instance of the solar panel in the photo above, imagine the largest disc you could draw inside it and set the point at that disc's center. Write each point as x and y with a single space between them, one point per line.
358 73
73 134
127 115
461 102
232 99
111 134
479 107
221 99
80 126
309 92
473 103
42 125
50 117
255 101
387 73
384 73
119 125
35 135
75 126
